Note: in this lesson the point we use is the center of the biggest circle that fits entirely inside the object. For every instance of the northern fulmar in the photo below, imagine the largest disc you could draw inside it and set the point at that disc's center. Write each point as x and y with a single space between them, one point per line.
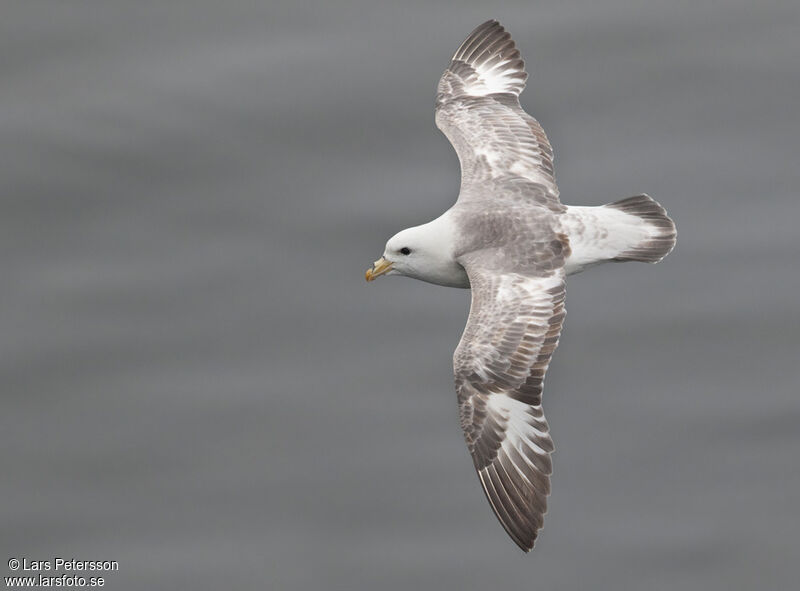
511 241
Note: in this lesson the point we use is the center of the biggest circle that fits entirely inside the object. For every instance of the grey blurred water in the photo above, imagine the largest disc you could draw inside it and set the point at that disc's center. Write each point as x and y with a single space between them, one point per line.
197 382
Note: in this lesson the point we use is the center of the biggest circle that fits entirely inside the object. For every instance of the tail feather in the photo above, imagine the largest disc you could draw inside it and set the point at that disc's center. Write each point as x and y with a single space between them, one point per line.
661 239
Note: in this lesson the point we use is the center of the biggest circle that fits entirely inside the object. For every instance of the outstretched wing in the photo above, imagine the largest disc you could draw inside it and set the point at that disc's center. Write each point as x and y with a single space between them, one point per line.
477 108
513 328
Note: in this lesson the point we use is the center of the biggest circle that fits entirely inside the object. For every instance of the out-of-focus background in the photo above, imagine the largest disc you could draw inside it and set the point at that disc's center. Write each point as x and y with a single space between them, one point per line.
197 383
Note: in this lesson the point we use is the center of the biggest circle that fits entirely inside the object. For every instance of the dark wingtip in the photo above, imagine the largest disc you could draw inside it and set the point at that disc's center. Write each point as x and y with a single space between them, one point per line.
526 549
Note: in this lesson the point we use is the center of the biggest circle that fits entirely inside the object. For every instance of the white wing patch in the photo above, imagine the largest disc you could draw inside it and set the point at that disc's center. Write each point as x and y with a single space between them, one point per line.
502 77
495 61
522 429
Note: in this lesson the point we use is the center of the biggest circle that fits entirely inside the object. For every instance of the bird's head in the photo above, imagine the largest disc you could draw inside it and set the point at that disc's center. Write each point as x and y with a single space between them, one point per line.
406 253
423 252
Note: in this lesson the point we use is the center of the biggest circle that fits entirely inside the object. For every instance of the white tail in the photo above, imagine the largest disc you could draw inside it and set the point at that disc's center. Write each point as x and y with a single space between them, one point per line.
632 229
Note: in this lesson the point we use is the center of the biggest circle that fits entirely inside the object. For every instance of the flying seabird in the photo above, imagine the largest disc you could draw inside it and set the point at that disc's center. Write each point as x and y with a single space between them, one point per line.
511 241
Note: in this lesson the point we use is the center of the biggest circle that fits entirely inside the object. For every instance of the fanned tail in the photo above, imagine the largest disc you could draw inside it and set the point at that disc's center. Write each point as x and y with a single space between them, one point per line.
661 229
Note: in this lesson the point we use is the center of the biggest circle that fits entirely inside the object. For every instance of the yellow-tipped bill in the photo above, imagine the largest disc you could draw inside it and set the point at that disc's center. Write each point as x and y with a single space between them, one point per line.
380 267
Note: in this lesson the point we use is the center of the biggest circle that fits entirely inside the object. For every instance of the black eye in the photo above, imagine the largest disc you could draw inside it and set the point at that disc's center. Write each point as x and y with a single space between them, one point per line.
405 250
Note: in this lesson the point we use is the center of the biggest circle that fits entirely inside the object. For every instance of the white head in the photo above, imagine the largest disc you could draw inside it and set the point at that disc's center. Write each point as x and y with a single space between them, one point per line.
422 252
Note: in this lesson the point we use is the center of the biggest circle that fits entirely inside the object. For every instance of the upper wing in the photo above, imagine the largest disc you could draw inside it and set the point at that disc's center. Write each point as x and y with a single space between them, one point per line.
477 108
513 328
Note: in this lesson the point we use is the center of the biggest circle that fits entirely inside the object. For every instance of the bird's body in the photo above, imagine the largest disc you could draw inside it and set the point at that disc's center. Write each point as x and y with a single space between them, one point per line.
511 241
591 235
